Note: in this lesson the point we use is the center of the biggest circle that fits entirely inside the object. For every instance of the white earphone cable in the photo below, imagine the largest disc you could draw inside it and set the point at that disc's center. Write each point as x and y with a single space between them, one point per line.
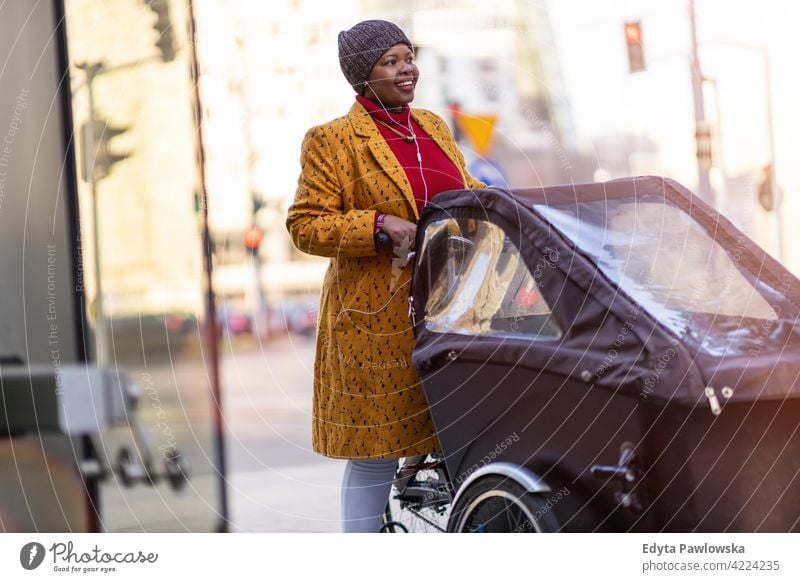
416 142
384 306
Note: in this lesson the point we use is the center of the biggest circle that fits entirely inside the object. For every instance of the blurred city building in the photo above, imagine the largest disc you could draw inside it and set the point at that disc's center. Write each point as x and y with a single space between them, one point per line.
141 239
270 72
144 129
496 58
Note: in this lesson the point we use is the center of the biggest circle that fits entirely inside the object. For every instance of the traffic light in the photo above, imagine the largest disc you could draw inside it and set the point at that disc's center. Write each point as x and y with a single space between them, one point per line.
98 155
252 239
163 26
633 40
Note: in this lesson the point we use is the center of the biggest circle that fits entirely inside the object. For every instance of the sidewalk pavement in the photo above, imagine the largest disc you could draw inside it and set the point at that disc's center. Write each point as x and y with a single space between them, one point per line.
294 498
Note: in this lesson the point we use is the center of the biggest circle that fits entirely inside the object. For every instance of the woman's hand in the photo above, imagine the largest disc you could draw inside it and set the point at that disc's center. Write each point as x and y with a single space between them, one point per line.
402 232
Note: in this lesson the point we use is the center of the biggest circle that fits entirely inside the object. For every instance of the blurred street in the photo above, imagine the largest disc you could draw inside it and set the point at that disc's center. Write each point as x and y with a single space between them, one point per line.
276 482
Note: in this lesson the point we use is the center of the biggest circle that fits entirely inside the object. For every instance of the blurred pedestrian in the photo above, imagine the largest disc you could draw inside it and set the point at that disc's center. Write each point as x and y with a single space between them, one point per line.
371 171
766 193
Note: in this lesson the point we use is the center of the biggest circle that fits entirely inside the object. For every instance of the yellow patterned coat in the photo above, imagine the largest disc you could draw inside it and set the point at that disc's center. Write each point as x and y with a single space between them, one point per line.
368 401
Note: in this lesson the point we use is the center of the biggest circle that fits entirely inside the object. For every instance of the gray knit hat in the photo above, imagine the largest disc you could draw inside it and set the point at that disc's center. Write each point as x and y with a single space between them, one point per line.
362 46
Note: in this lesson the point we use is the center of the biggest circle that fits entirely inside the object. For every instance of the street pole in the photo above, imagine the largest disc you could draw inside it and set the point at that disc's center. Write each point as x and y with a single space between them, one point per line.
722 195
773 184
211 333
260 319
702 129
101 340
773 180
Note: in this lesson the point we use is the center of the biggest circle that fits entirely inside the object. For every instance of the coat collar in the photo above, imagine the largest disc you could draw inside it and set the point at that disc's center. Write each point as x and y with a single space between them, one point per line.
364 126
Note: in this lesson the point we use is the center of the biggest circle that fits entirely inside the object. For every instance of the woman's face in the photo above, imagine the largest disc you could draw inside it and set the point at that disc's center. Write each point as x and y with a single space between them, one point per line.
393 78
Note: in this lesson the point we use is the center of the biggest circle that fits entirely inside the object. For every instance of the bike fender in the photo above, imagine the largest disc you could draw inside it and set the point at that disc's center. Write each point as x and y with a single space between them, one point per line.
525 477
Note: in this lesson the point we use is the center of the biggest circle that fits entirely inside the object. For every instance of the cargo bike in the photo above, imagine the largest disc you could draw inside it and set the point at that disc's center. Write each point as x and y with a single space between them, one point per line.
601 357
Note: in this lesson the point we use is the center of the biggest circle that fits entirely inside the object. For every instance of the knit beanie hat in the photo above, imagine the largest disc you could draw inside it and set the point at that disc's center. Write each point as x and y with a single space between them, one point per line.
362 46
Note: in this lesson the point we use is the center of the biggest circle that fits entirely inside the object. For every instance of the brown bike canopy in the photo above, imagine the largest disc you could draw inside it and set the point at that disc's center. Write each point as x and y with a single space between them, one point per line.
633 285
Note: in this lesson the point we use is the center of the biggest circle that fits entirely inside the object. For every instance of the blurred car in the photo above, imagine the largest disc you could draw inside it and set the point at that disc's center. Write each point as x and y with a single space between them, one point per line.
292 315
299 315
233 321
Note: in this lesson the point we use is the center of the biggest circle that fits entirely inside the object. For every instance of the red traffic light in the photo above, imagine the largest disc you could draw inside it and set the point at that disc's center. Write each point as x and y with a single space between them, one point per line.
633 33
633 40
253 237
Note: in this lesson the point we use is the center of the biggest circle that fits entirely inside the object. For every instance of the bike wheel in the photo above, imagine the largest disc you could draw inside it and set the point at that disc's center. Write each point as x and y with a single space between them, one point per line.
419 501
495 504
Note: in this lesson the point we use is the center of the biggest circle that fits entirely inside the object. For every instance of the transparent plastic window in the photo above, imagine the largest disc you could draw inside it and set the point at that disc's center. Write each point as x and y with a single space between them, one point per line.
479 285
668 263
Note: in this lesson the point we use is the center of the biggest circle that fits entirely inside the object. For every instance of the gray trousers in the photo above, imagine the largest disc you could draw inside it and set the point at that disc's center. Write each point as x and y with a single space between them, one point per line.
365 489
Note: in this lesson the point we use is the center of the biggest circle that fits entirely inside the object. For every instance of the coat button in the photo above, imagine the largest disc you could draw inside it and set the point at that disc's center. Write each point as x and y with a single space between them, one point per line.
452 355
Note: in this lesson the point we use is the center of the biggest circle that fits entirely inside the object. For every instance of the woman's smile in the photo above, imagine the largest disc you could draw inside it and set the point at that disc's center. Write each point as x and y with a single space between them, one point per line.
406 85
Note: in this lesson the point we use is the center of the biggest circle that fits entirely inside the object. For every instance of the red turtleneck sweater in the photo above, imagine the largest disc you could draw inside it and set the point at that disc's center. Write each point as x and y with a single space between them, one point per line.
438 171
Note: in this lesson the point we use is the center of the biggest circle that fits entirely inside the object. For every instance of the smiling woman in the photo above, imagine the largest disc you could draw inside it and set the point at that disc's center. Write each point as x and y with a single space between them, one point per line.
371 172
